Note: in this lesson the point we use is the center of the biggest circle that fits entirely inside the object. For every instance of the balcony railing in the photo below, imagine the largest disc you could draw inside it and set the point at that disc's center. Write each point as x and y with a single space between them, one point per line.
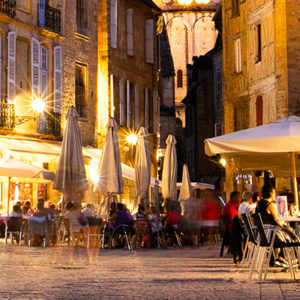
8 7
49 17
7 116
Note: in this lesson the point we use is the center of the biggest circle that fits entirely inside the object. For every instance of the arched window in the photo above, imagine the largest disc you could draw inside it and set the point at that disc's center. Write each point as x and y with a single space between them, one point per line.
179 78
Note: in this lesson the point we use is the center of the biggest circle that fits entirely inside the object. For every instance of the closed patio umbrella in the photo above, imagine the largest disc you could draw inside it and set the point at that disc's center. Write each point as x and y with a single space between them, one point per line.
169 173
70 176
109 172
142 169
274 146
186 189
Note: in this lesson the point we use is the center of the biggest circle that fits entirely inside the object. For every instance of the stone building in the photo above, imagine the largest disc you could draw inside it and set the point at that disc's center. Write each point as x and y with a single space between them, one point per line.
191 32
260 46
204 114
127 71
49 54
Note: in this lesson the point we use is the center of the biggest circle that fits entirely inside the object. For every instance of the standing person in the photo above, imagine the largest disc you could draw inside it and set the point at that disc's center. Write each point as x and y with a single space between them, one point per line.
247 200
231 209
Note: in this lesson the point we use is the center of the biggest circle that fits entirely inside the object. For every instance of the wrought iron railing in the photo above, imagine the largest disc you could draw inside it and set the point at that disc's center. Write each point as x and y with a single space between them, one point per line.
8 7
7 116
49 17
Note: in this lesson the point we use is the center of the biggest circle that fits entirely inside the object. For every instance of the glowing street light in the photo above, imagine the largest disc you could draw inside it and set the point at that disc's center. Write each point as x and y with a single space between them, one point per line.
132 139
223 162
38 105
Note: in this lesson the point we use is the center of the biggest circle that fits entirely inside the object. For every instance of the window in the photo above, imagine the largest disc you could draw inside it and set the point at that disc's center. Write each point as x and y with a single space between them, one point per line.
259 111
238 55
179 78
149 41
235 7
136 109
80 90
218 80
112 96
121 101
44 73
11 68
35 67
57 79
257 43
128 106
113 23
80 16
218 129
129 32
146 107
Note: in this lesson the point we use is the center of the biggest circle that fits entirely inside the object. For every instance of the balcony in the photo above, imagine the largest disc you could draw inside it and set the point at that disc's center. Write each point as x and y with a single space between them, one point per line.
49 17
7 116
8 7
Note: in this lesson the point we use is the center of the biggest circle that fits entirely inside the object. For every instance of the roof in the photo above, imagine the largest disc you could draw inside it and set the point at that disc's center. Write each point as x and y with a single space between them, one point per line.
151 4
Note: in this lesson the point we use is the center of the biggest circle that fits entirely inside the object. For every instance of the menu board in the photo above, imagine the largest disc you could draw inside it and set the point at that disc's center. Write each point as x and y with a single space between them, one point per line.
40 191
282 207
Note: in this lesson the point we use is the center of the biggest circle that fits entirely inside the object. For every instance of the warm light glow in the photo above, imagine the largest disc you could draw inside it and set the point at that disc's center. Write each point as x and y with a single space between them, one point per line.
94 171
181 2
38 105
223 162
132 139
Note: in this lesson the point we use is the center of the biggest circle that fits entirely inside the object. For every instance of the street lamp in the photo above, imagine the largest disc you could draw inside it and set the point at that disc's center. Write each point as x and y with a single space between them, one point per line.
38 105
132 139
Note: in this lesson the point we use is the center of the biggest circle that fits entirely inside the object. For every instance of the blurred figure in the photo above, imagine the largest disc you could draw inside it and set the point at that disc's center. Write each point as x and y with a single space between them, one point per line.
250 209
231 209
247 200
89 210
16 211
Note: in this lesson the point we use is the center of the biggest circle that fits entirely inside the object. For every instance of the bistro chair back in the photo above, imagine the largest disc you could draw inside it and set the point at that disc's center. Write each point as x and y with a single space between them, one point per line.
120 232
13 226
37 229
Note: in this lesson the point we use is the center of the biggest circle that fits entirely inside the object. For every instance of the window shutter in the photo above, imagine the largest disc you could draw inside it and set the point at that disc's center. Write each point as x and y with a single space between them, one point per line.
149 40
112 96
57 79
136 107
121 101
146 99
113 23
238 56
35 67
128 102
11 72
42 12
129 32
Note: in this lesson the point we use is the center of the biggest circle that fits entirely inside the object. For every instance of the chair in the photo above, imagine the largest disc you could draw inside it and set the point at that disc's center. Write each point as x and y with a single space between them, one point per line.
94 231
38 228
225 236
121 231
270 238
13 225
172 231
251 241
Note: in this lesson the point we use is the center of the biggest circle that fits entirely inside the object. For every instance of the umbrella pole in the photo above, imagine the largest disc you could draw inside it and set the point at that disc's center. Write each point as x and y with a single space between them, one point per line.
8 195
295 180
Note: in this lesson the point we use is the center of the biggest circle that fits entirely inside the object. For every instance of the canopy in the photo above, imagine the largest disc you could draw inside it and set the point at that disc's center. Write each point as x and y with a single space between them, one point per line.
169 173
15 168
142 168
268 147
70 175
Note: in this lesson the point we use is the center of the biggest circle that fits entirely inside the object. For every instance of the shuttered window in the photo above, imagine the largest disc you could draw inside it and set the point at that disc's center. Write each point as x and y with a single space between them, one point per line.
35 67
112 96
136 107
57 79
80 90
129 32
121 101
146 106
149 40
128 115
11 68
238 55
259 110
113 23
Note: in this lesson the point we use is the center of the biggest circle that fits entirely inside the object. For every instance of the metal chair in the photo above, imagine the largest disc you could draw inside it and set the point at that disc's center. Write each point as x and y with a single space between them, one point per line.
37 226
122 231
270 238
13 225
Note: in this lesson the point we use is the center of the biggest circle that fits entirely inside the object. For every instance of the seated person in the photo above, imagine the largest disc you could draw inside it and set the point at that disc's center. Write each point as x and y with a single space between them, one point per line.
120 217
89 211
155 225
173 217
16 212
231 209
247 200
141 224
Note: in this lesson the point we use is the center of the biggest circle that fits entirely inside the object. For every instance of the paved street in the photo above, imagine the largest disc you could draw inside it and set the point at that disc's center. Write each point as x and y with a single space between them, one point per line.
187 273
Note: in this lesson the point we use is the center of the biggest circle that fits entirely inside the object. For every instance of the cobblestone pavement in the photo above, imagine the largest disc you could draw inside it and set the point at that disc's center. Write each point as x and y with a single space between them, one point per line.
174 273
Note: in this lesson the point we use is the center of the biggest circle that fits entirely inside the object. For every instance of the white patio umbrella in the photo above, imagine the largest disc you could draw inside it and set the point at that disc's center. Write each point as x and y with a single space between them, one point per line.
13 168
169 173
109 172
185 194
70 176
274 146
142 169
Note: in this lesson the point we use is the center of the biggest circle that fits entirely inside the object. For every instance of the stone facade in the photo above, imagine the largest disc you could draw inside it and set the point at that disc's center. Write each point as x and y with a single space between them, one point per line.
191 33
264 86
127 70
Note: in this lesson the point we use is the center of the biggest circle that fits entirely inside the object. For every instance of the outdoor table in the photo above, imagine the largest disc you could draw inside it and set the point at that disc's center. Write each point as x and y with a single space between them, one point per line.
297 223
